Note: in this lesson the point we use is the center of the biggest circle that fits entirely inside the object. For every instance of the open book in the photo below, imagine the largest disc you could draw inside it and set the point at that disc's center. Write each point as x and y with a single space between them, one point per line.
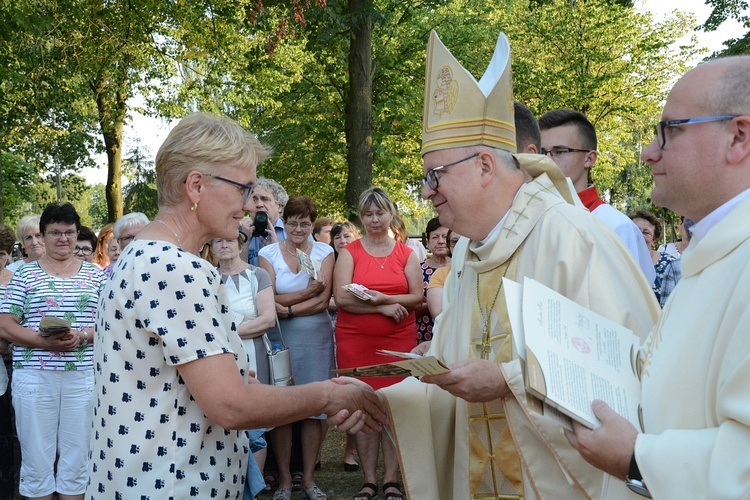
573 355
413 364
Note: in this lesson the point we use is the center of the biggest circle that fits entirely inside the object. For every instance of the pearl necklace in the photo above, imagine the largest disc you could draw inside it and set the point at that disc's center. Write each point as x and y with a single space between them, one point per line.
57 273
159 221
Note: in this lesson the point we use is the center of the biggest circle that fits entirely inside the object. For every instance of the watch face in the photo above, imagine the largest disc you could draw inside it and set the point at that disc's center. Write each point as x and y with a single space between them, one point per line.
637 486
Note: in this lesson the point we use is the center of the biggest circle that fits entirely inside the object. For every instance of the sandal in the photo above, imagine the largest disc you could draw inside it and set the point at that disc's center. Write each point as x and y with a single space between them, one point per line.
393 496
296 481
314 493
367 496
282 494
271 483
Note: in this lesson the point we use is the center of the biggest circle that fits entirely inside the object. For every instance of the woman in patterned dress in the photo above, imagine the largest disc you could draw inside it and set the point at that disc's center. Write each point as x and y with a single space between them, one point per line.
173 392
53 378
437 246
667 266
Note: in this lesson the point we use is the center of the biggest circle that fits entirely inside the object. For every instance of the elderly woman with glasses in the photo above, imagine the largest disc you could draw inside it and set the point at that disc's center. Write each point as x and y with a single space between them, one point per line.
173 387
301 296
53 376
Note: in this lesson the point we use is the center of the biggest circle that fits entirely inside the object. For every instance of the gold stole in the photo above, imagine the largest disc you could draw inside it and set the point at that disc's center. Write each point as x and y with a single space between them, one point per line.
494 466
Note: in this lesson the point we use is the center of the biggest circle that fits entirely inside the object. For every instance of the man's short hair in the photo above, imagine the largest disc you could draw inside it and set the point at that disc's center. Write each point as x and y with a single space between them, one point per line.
730 95
527 128
562 117
278 191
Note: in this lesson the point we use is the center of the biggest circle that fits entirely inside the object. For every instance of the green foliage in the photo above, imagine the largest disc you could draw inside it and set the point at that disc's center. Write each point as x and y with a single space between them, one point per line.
140 192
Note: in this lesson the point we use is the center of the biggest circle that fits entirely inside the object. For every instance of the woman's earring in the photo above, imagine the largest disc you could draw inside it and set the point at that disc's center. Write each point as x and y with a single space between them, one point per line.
194 207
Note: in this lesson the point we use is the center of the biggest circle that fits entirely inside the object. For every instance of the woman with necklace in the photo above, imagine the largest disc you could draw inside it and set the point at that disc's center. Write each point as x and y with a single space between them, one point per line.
53 377
301 304
173 389
390 272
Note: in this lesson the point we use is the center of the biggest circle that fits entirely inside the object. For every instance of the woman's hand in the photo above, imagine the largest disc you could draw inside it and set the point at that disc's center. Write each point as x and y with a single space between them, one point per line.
67 342
315 286
395 311
378 298
357 407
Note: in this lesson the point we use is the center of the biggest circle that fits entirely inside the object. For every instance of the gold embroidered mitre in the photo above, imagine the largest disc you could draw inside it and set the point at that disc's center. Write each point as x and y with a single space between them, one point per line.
460 112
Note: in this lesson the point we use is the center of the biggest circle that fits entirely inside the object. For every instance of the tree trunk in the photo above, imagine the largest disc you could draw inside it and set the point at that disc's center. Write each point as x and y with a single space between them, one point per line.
111 121
359 105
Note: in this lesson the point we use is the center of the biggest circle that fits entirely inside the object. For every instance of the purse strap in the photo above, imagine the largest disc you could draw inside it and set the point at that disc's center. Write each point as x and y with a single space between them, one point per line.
267 339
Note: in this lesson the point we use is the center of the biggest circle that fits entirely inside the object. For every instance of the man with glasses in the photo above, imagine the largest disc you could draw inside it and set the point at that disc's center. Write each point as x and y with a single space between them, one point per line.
696 361
569 138
270 197
519 220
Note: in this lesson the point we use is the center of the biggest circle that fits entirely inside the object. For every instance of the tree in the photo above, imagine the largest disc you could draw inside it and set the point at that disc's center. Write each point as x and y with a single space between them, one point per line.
140 192
722 11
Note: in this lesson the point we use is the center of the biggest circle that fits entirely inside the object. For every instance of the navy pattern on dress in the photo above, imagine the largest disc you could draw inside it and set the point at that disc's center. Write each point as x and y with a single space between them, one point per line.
162 307
425 322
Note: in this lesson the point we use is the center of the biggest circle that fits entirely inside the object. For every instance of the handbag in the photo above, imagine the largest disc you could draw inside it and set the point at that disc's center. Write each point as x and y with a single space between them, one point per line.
279 360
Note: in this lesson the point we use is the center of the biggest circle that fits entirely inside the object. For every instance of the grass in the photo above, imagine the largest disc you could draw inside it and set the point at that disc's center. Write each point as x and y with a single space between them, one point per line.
331 478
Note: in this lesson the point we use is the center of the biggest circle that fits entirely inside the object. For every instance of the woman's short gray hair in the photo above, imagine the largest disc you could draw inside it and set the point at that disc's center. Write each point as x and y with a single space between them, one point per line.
203 142
129 221
27 224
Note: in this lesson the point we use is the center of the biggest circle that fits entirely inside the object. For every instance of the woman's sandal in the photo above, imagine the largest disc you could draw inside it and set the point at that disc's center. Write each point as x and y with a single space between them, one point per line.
392 496
367 496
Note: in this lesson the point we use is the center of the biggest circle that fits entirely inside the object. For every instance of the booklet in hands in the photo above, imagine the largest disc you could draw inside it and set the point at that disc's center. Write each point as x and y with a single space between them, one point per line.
414 365
51 326
573 355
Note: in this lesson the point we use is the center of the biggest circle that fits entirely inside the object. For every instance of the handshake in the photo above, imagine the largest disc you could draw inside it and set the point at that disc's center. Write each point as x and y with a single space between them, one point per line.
362 409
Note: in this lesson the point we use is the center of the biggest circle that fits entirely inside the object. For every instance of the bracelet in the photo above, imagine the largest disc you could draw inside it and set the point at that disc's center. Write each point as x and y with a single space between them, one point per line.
85 337
289 310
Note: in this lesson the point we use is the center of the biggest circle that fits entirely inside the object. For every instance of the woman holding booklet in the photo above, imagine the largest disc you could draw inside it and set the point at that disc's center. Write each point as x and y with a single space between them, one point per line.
53 369
301 273
382 319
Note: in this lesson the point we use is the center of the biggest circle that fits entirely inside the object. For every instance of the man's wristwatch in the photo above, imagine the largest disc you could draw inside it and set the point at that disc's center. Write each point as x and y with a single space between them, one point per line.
634 480
289 310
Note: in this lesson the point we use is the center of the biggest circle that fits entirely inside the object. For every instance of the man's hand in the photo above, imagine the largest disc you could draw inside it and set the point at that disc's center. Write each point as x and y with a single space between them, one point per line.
270 236
609 447
247 226
422 348
357 407
475 380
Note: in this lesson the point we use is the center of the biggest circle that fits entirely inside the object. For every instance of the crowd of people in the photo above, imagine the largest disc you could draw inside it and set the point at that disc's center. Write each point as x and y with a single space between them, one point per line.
156 376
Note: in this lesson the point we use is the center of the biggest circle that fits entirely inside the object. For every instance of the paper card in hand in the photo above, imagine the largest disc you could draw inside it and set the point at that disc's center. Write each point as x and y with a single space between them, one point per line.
308 264
358 290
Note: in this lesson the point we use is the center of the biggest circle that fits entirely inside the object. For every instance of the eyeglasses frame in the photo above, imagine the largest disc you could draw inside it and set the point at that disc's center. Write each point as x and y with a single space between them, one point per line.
432 174
249 187
665 124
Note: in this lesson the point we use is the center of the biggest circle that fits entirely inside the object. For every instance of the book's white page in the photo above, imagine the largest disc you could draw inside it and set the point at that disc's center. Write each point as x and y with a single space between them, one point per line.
575 356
